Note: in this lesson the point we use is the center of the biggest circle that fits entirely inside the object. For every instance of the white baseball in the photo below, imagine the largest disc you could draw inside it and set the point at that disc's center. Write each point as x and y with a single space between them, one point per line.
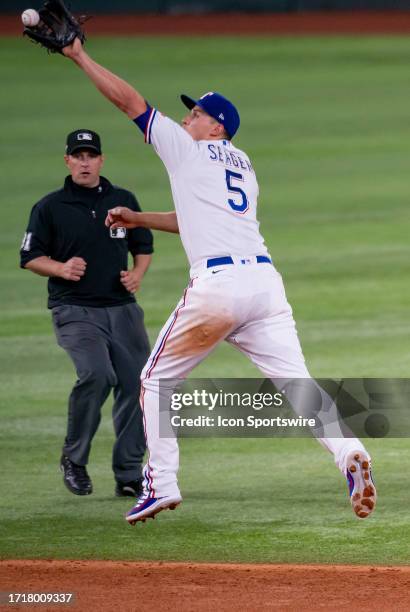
30 18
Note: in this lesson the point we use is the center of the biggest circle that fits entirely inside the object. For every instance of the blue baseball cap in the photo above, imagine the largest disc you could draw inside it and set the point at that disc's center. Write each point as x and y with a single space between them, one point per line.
218 107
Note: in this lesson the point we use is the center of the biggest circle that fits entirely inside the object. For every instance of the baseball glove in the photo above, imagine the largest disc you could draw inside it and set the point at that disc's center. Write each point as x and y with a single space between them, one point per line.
57 27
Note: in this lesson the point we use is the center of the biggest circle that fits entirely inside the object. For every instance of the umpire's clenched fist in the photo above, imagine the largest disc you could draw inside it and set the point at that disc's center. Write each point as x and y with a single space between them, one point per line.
73 269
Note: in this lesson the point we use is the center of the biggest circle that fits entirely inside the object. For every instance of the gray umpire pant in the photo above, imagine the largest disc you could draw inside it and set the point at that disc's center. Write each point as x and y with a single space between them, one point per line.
109 347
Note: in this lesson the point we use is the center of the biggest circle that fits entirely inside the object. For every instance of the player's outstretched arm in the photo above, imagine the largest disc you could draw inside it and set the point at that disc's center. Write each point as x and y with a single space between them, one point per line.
118 91
120 216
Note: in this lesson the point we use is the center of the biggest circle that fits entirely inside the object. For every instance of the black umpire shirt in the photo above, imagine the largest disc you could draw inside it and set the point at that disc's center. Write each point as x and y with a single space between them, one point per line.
70 223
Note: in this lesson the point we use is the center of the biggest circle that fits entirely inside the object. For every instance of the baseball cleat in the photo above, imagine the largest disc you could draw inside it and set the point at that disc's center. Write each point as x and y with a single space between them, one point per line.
361 486
148 507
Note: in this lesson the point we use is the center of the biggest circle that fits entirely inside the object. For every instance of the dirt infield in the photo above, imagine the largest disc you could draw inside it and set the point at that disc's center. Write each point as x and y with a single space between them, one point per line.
146 587
357 22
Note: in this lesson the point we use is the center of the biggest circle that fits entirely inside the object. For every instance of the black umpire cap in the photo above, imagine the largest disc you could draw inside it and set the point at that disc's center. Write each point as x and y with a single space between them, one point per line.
83 139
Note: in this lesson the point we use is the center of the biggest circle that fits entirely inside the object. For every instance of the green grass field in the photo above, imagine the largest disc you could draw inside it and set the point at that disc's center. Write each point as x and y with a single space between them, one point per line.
327 125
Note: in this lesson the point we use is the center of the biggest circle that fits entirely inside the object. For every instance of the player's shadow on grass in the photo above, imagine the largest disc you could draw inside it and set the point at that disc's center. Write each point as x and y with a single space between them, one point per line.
235 494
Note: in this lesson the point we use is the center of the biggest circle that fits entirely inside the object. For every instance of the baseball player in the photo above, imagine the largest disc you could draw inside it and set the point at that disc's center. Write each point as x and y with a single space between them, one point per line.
234 294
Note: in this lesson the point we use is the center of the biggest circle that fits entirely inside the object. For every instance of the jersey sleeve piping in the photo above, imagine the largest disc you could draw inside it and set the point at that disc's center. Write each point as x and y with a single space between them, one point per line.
144 122
149 126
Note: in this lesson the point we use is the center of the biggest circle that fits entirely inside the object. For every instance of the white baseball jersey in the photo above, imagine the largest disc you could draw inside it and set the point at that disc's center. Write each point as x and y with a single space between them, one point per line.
214 188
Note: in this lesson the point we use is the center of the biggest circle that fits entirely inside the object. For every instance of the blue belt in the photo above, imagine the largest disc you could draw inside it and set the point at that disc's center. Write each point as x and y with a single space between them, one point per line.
223 261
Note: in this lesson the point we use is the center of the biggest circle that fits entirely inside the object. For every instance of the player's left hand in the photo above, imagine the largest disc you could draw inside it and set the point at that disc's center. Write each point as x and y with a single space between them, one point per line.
74 50
57 28
131 279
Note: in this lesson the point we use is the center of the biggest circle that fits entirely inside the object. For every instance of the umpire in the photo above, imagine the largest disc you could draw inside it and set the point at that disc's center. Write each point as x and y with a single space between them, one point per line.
95 315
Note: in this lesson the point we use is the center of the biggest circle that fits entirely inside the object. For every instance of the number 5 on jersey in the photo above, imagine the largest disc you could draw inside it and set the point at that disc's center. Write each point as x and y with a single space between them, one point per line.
232 188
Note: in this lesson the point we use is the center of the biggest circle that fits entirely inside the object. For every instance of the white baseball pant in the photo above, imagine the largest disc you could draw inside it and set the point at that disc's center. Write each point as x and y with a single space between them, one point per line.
244 304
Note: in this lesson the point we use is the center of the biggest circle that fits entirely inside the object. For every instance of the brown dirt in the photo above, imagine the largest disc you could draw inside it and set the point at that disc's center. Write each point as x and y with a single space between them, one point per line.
146 587
199 338
346 22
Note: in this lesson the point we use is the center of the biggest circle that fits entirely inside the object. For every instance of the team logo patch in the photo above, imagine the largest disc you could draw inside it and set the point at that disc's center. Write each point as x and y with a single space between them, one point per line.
221 116
210 93
84 136
118 232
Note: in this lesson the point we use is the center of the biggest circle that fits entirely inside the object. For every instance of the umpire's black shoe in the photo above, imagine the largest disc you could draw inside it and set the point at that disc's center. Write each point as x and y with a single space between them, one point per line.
75 477
128 489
